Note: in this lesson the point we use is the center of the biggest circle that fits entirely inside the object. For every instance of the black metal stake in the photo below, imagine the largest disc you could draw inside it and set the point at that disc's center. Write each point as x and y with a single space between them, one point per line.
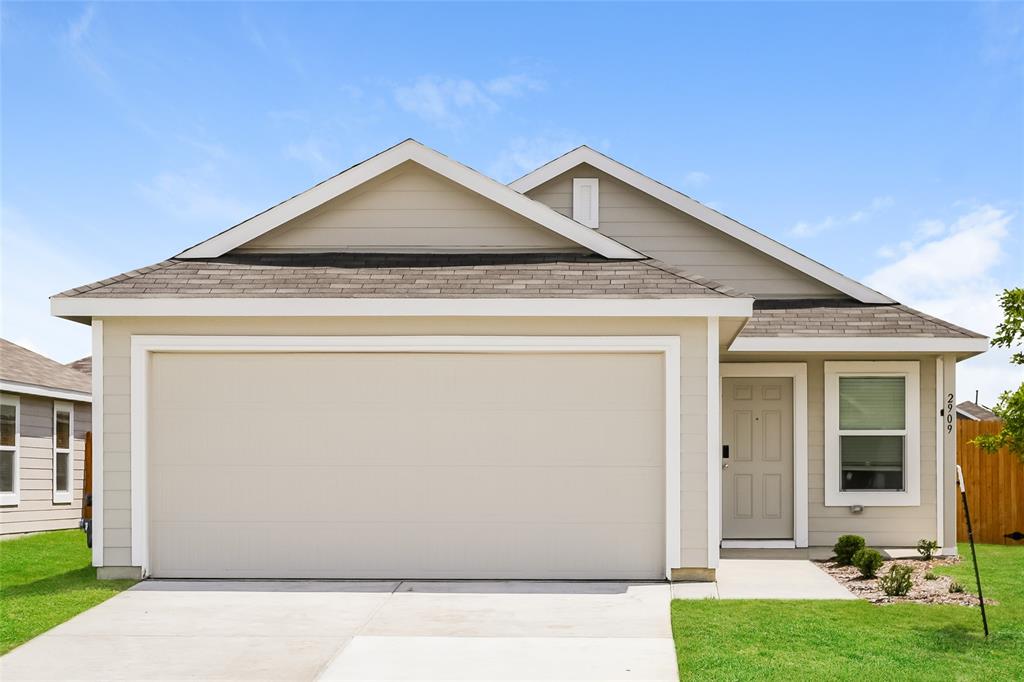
970 536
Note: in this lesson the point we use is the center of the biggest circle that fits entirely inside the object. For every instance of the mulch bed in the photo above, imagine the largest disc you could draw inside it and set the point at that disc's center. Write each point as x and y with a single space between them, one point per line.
922 592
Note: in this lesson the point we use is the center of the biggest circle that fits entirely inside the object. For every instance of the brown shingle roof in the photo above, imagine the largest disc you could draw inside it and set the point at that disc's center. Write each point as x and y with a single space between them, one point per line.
25 367
353 275
824 317
83 365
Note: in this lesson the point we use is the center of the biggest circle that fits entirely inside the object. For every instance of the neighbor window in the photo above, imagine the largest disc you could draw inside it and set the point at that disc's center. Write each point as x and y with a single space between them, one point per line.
10 489
871 411
63 473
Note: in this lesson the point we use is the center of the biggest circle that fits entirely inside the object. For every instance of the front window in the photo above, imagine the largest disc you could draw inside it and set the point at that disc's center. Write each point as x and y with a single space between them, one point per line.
871 433
9 426
63 473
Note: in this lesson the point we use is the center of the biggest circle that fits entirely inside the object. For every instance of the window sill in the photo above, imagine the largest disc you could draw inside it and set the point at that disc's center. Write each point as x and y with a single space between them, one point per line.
867 498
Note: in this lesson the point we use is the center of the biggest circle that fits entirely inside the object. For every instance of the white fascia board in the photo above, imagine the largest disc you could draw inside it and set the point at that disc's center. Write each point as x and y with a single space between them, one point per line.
410 150
967 415
80 306
44 391
703 213
861 344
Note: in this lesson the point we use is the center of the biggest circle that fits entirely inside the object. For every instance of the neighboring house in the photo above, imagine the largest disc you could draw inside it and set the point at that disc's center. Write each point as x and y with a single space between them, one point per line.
83 365
411 370
45 412
972 411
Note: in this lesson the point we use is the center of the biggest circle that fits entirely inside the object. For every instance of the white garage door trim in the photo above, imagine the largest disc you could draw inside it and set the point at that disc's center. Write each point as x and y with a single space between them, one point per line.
143 345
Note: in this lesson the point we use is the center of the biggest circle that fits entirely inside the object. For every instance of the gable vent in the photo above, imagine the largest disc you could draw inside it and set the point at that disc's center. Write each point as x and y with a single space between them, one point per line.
585 201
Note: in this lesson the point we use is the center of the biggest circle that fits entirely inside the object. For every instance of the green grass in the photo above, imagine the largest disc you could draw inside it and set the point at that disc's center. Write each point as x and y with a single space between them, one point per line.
855 640
46 579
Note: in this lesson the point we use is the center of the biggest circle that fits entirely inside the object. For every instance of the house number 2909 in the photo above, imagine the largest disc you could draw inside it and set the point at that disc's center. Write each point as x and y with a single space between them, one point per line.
950 412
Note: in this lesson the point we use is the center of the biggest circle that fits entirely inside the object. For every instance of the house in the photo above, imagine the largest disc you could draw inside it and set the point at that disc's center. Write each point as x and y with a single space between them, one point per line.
45 412
972 411
412 370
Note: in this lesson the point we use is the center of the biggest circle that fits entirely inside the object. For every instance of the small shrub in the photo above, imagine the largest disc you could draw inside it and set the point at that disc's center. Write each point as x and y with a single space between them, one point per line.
868 561
897 582
955 587
926 548
846 547
930 576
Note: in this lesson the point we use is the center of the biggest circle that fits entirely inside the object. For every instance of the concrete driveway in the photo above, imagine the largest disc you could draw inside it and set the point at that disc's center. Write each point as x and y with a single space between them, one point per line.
242 630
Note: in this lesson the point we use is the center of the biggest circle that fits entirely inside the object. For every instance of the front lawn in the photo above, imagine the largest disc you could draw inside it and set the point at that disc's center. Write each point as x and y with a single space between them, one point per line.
835 640
46 579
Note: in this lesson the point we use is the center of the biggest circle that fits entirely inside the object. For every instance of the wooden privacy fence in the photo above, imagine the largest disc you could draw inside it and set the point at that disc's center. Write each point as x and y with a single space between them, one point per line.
995 487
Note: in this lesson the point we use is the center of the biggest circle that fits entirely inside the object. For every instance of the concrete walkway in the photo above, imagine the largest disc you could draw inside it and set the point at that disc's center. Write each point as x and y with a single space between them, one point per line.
765 579
240 630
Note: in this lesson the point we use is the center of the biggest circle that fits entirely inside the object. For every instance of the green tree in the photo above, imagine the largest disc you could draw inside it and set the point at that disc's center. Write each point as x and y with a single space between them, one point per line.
1010 408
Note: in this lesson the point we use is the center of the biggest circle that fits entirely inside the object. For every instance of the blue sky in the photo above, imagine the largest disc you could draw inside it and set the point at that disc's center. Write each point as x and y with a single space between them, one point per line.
885 140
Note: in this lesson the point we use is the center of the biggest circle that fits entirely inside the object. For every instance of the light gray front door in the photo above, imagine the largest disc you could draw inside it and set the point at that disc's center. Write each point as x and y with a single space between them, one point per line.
757 478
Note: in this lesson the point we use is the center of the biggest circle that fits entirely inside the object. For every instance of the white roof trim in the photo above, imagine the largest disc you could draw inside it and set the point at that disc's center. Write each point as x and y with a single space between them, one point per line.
967 414
859 344
410 150
80 306
701 212
44 391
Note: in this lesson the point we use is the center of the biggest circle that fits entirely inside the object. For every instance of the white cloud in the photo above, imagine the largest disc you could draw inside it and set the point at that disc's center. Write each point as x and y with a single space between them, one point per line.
952 275
877 204
80 27
811 229
695 179
805 229
312 151
514 85
447 102
964 254
193 196
443 101
79 41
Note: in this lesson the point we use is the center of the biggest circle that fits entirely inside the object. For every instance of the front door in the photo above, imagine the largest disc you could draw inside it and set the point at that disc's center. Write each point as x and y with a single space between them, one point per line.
757 458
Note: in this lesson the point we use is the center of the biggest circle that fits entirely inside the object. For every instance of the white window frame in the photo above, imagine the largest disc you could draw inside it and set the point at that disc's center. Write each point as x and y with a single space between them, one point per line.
910 496
13 498
585 204
64 496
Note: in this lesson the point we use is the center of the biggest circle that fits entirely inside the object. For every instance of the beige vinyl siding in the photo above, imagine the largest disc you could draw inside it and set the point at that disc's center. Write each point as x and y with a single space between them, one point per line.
658 230
36 510
880 526
410 209
117 334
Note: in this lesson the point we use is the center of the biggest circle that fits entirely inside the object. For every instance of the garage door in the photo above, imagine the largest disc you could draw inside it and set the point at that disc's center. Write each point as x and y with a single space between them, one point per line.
407 465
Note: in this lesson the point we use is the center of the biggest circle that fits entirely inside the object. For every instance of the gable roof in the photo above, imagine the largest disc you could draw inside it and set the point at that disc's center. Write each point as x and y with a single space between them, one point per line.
22 371
694 208
409 150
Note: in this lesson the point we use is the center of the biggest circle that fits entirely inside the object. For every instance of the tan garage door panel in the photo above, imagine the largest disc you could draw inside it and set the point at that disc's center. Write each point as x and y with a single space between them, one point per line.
413 465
